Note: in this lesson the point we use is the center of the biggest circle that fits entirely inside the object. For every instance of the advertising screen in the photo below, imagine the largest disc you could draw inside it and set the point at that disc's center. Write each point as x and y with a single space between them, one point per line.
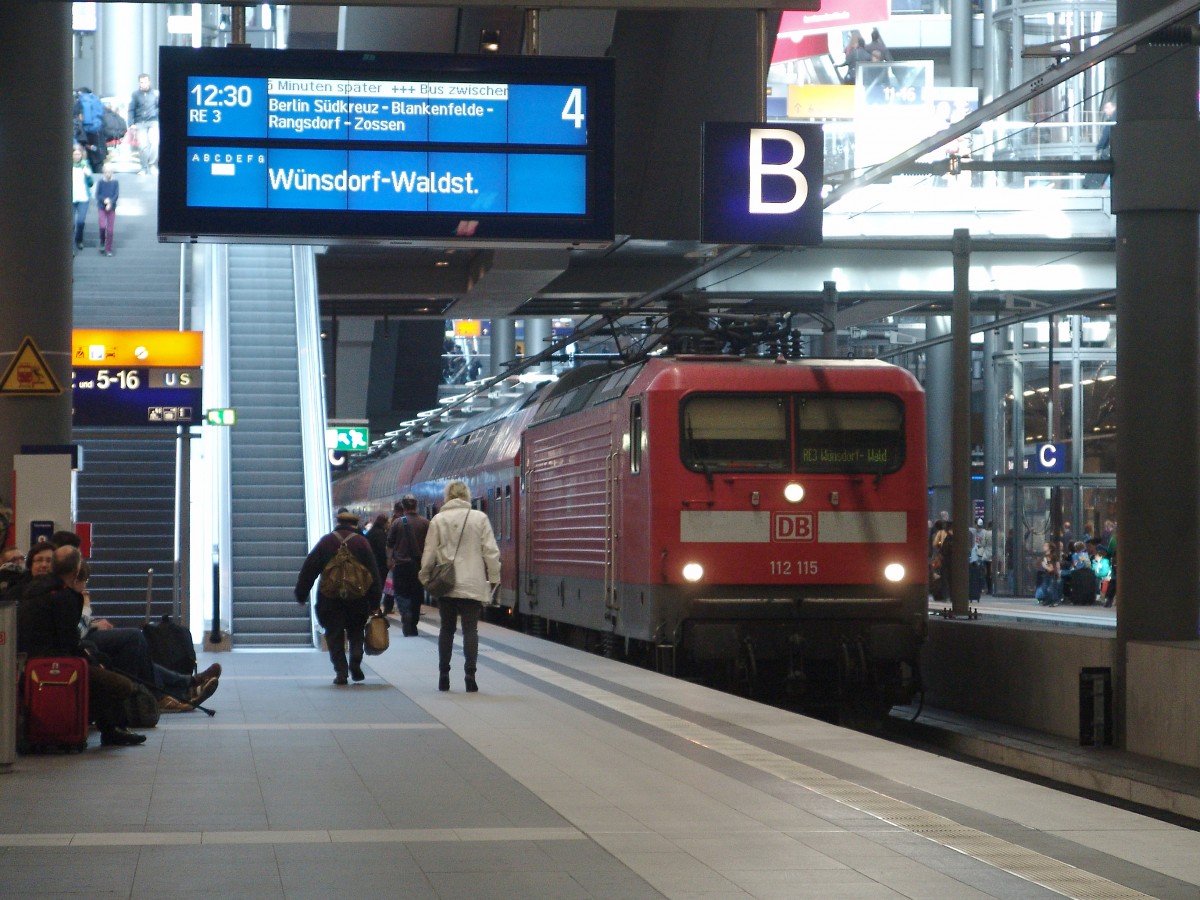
323 146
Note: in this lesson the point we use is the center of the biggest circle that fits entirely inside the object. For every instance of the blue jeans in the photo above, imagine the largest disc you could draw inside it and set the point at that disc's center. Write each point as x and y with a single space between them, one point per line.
81 211
451 608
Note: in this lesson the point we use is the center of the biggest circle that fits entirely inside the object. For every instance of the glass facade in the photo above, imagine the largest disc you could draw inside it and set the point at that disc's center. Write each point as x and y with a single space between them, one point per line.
1053 477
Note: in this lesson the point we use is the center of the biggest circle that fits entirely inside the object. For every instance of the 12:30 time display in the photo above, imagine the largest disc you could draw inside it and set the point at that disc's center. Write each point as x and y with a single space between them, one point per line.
223 95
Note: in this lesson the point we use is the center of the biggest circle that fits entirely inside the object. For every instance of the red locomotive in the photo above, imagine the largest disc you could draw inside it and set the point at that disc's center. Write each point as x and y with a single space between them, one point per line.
758 520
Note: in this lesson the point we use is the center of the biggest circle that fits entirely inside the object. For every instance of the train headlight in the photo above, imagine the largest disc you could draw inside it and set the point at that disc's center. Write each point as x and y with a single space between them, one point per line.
893 572
793 493
693 571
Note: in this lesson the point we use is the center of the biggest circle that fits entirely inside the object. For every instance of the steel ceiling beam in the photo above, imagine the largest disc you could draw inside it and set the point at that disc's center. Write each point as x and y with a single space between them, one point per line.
1122 39
648 5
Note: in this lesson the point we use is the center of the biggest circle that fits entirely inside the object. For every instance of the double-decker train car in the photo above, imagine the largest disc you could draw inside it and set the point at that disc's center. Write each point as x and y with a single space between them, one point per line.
762 520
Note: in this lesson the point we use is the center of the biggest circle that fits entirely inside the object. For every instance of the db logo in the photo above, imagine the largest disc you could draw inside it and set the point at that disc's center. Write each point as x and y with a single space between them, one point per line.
792 527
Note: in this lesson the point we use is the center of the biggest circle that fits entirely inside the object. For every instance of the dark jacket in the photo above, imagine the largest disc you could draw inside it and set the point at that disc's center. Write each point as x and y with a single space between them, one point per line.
107 189
406 544
323 552
143 106
377 537
48 618
13 576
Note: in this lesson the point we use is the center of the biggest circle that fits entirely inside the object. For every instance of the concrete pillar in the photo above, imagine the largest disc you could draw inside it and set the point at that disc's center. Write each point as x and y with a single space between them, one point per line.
939 395
961 423
993 436
503 344
1156 196
35 219
117 68
829 308
960 43
537 338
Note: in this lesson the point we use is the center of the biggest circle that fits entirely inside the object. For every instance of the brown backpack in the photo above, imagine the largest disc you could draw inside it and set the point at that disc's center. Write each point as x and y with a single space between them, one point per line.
344 577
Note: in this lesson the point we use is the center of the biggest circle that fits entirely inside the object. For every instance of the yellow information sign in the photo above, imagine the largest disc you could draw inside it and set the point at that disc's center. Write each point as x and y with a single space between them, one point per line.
103 348
28 373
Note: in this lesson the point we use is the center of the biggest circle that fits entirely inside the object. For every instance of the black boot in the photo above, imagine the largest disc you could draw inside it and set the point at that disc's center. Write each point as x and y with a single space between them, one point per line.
120 737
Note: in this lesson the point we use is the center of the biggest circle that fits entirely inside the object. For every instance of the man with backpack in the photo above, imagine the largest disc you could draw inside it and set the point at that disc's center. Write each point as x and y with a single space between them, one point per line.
350 590
89 123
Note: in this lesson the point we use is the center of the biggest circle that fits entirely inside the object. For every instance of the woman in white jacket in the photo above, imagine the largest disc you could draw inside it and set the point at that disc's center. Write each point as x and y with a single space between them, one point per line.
465 535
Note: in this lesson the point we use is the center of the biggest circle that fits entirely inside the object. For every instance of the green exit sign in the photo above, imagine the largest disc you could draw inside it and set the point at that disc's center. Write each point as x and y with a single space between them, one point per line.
220 417
347 440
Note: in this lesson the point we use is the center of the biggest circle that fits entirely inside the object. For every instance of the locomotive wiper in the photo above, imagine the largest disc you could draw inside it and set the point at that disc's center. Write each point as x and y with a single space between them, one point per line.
696 458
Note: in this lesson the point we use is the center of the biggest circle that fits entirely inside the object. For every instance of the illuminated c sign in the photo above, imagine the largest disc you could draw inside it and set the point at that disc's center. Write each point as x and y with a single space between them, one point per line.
1050 457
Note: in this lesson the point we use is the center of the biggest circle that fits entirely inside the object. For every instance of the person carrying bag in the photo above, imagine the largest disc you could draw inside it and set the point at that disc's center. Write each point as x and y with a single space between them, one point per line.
460 566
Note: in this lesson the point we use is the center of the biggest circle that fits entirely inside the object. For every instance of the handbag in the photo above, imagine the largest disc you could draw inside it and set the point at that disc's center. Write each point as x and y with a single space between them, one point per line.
377 639
441 578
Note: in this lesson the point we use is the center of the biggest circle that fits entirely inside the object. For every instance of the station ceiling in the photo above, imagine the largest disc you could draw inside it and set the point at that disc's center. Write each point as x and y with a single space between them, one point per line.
679 63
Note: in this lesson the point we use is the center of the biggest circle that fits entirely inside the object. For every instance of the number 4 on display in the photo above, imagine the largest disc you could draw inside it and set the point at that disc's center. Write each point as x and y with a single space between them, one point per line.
573 108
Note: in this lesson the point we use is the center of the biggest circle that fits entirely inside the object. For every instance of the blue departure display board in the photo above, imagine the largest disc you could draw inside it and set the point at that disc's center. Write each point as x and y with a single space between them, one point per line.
318 146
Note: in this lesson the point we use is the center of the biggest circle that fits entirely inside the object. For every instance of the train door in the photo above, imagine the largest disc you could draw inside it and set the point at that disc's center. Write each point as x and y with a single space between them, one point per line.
612 525
624 468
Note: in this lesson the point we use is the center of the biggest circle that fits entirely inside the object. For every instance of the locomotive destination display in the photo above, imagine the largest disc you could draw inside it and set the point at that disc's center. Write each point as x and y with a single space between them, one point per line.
404 147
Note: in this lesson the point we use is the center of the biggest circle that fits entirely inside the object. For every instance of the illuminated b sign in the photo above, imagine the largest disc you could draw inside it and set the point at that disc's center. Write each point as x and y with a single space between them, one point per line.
762 183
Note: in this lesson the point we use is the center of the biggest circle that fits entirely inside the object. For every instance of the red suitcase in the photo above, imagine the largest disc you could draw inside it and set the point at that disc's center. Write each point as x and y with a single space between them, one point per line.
56 702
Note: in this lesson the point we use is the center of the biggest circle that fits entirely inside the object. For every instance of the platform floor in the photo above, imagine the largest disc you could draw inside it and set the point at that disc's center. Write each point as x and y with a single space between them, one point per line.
568 775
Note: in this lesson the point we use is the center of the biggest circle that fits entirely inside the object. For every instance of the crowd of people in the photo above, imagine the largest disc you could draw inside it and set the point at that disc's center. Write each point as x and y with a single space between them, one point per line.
54 618
99 128
399 557
1081 572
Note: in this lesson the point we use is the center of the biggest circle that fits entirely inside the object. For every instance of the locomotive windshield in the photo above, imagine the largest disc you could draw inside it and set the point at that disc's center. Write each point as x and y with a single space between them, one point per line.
792 433
735 432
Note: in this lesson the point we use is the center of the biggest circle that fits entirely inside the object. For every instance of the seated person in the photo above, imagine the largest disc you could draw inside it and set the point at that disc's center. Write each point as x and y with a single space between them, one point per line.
37 562
129 653
47 625
12 569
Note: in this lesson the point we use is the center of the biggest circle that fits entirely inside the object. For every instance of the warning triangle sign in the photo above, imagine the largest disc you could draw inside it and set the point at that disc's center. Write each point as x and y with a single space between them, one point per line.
28 373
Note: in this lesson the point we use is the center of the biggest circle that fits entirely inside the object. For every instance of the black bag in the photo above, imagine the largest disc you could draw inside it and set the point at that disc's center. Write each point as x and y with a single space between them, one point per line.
114 126
171 646
141 709
1083 587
